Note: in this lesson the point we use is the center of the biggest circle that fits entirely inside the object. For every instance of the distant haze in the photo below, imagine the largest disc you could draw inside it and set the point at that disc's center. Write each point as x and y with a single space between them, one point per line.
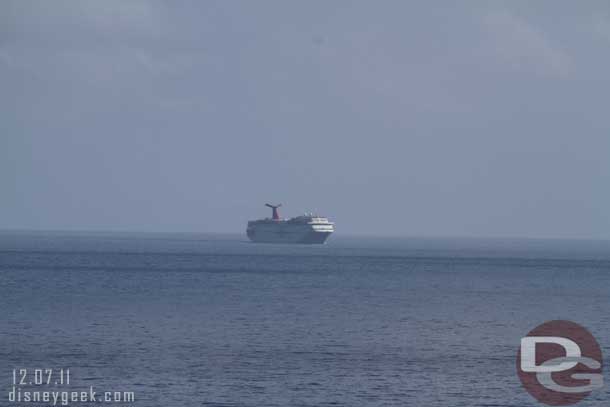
392 118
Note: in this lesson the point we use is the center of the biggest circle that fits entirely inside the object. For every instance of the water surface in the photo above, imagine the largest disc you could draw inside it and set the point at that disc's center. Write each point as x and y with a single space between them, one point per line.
215 320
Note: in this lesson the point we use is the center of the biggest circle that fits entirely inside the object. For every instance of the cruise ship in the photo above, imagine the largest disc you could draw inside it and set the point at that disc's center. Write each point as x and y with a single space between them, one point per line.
308 228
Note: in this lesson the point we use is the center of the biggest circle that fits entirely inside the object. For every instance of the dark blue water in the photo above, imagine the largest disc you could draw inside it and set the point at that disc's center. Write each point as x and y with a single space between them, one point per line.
187 320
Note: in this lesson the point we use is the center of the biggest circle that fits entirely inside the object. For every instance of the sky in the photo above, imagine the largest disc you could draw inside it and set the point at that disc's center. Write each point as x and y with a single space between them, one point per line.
478 118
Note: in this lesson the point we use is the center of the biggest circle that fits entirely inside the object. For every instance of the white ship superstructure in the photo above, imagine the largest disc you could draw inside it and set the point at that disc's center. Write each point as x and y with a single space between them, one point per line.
308 228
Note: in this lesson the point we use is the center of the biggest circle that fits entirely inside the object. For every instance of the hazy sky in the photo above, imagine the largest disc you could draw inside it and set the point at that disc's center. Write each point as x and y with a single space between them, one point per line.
390 117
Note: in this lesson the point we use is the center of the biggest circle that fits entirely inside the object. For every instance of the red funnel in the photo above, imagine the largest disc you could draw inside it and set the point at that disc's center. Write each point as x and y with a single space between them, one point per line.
276 215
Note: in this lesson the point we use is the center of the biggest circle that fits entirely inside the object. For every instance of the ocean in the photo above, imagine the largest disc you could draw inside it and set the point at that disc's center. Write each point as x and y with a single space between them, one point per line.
214 320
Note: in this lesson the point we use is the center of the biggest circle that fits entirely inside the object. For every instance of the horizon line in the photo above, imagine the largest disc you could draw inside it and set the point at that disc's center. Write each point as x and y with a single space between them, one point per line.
347 235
